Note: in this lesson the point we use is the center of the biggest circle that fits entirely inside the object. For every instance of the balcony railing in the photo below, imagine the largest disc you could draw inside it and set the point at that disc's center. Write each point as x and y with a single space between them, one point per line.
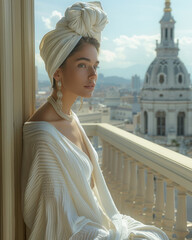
147 181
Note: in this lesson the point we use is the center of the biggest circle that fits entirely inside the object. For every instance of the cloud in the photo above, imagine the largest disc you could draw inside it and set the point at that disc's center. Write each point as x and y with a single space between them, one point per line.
137 41
51 21
185 46
56 14
128 51
185 41
47 22
107 56
139 50
104 38
125 41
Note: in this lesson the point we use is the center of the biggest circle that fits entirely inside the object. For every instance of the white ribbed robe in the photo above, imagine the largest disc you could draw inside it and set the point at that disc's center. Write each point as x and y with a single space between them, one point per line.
58 202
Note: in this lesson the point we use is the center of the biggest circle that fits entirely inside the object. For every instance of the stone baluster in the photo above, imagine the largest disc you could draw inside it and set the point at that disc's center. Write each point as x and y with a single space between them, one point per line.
109 162
115 163
114 173
149 198
181 216
119 179
133 185
106 161
120 170
140 195
159 201
111 167
124 193
169 218
126 173
104 156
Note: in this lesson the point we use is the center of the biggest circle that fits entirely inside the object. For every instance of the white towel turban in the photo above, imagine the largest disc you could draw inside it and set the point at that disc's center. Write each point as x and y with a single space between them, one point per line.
82 19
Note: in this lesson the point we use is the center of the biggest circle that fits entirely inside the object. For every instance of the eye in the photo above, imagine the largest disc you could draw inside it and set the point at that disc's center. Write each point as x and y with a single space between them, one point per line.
82 65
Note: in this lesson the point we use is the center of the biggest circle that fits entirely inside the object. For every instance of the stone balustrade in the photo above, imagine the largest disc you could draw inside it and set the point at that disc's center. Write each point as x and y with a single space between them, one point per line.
147 181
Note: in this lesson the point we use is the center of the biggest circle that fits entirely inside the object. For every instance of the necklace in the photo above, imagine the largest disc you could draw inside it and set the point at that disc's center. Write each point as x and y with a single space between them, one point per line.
58 110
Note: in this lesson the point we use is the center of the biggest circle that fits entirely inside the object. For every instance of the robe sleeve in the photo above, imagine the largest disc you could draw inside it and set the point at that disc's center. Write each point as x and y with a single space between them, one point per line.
48 209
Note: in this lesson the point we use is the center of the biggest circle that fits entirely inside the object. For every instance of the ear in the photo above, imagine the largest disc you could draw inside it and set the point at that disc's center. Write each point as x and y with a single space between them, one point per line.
57 74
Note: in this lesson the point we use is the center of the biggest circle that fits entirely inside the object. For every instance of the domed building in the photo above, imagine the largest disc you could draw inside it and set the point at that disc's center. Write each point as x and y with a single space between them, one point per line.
166 96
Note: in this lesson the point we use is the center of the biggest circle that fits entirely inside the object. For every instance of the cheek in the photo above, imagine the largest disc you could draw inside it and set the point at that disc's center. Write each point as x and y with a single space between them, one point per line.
75 78
79 75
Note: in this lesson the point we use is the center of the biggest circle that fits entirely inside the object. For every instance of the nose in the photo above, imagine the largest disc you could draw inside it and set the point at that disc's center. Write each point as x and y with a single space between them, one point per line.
93 73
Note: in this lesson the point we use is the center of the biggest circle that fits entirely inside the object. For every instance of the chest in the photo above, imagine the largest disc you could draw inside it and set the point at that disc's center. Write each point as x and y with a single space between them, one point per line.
73 133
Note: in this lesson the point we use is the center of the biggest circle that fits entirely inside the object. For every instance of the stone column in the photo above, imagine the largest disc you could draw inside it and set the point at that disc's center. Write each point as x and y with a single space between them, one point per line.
189 117
17 103
142 121
150 122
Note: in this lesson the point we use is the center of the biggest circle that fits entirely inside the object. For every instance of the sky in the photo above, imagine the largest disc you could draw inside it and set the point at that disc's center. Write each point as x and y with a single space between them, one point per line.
129 39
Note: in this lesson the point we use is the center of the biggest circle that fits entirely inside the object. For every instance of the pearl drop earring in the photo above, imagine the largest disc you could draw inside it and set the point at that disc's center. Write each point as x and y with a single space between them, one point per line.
59 94
57 105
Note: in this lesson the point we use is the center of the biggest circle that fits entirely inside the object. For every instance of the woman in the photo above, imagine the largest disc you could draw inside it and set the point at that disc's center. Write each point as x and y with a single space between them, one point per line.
64 194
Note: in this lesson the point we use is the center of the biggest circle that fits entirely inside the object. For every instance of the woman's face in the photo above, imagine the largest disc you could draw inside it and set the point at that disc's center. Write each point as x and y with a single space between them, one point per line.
79 73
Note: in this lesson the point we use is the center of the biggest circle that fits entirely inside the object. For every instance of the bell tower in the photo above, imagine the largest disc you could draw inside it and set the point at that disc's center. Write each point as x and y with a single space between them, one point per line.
167 45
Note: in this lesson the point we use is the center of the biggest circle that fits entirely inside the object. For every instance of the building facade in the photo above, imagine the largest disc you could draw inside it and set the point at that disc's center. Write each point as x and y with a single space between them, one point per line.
136 84
166 96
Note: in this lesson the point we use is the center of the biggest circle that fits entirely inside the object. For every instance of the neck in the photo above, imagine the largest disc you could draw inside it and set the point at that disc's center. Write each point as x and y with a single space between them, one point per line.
68 100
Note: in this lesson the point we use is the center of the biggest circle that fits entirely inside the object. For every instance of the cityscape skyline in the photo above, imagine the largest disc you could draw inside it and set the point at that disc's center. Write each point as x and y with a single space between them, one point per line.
128 41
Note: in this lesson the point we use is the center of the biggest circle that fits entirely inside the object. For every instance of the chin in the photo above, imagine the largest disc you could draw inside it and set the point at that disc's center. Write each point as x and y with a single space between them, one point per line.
89 95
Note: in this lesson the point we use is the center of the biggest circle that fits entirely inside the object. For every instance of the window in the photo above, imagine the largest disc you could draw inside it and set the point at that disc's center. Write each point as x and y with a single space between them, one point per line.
171 33
160 123
166 33
161 78
145 123
180 123
180 78
161 34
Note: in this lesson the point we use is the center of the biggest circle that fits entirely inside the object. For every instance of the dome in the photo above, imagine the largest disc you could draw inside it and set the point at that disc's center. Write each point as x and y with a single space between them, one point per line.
167 78
166 73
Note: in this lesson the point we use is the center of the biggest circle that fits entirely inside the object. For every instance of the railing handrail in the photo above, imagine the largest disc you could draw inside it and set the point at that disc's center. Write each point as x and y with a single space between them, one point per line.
172 165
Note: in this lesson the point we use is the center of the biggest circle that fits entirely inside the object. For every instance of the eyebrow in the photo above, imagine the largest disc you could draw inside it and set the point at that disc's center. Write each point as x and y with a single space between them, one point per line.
86 59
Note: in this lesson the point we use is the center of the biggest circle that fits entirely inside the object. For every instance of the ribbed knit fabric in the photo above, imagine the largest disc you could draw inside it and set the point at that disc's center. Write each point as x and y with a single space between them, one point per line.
57 200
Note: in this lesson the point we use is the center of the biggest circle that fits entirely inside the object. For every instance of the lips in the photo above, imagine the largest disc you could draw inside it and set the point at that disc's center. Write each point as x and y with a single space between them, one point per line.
91 86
